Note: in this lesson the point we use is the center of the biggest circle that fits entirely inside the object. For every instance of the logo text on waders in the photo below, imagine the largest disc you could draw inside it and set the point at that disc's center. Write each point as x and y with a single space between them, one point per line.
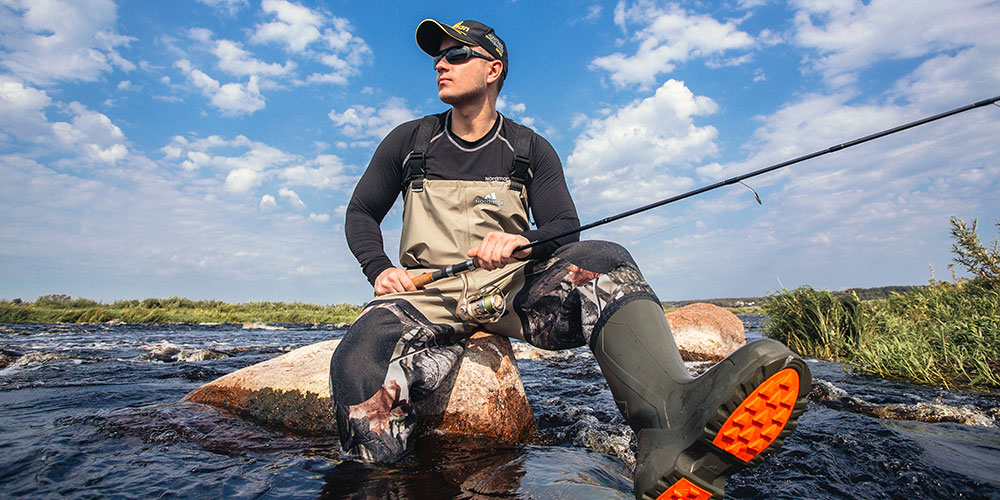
490 198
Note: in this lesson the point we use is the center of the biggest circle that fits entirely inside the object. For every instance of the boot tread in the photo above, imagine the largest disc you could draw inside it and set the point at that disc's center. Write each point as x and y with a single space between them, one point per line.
759 420
684 490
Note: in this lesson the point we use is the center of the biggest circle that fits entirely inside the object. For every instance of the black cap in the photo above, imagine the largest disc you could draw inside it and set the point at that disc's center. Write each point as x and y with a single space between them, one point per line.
430 33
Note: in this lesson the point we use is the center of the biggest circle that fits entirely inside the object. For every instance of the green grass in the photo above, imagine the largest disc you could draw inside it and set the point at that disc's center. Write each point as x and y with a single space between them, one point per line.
944 334
63 309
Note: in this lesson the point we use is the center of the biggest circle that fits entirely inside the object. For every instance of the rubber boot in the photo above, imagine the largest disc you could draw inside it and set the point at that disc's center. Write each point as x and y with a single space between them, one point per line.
695 432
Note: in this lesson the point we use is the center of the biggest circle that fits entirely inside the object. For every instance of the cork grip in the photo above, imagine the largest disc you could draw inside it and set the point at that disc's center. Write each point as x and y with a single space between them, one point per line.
423 279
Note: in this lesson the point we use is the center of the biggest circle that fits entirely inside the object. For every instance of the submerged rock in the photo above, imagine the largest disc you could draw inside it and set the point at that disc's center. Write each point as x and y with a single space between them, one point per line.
38 357
831 396
201 355
7 357
484 396
257 325
166 352
163 351
706 332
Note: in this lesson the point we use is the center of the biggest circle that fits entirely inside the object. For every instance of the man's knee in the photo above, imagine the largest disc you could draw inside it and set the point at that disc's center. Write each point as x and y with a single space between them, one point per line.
595 255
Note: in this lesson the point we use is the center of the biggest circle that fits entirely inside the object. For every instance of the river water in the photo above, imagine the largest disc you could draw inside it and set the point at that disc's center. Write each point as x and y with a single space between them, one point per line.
92 411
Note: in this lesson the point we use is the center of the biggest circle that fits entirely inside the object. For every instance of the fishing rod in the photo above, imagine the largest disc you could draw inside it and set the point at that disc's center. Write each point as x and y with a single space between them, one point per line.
454 269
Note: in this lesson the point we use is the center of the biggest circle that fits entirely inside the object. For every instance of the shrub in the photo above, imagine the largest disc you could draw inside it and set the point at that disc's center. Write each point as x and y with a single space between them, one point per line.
982 262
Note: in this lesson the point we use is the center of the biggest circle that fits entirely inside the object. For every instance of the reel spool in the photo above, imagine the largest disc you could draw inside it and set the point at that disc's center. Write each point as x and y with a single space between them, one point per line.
485 306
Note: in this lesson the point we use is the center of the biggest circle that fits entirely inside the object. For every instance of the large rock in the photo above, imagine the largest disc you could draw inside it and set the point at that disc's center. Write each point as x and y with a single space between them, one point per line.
291 392
706 332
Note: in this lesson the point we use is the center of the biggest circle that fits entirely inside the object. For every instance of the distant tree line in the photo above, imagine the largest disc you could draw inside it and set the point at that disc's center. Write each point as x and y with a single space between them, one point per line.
876 293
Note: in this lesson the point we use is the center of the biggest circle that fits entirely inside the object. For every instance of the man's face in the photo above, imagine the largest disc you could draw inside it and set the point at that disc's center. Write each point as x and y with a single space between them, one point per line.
462 81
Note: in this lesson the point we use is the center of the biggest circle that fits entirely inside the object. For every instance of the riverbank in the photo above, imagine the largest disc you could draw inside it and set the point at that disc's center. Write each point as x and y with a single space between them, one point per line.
944 334
65 309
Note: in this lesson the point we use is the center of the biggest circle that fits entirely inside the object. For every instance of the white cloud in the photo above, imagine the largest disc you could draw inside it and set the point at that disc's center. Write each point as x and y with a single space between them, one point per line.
853 35
641 141
22 110
230 7
54 40
317 36
939 81
668 37
591 14
363 121
231 98
168 239
92 134
267 202
296 26
87 133
323 172
234 60
319 217
292 197
515 110
242 180
199 153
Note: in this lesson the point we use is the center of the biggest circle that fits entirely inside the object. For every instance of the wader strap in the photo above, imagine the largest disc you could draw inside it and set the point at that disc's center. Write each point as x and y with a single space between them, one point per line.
414 168
522 157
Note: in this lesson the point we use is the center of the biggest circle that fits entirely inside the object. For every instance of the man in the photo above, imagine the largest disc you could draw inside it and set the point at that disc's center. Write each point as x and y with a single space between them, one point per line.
471 179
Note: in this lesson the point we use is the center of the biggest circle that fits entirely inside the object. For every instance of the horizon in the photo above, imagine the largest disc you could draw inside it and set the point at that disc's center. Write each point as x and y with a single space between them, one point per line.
701 299
207 149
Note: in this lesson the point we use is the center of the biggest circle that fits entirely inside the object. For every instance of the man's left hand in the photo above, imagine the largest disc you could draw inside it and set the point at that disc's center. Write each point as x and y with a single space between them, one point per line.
497 250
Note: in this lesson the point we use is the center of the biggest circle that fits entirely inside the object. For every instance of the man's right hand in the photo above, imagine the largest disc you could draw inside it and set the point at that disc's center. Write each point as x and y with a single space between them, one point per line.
393 280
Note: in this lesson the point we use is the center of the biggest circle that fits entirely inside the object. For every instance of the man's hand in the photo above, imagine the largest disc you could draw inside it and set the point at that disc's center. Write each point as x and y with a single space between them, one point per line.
393 280
497 250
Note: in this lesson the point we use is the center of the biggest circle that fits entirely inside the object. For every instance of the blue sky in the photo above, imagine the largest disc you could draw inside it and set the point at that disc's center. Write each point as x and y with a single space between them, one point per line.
208 148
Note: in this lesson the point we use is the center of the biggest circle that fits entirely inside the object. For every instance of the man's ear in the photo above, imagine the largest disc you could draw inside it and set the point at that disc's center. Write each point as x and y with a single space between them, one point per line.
496 69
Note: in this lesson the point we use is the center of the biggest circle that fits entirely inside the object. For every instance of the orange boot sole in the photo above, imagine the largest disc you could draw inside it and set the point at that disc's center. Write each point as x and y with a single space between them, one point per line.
761 418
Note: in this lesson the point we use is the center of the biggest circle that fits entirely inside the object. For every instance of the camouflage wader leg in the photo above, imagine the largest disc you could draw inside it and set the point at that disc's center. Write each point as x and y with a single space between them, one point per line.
391 357
570 296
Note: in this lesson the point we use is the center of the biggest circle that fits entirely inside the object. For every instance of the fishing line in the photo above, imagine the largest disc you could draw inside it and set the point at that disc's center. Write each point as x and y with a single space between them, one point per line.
804 184
453 269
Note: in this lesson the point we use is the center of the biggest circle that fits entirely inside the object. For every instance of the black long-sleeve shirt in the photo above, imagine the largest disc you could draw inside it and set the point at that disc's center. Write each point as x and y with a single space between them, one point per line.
450 158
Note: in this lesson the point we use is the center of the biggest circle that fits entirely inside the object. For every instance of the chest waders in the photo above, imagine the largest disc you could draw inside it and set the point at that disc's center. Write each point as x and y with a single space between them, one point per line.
443 219
693 433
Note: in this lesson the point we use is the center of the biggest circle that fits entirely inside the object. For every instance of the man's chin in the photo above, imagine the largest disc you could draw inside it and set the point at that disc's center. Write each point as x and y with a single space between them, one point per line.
452 99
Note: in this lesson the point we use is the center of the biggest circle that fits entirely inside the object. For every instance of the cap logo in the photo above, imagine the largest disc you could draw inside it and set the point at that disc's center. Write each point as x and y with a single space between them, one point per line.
496 42
461 27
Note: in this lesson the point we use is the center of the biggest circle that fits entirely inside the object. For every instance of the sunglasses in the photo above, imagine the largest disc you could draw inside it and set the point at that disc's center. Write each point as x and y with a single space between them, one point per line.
459 54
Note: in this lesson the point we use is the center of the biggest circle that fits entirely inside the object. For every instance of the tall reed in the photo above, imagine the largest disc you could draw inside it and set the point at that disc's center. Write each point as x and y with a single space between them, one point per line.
815 323
943 334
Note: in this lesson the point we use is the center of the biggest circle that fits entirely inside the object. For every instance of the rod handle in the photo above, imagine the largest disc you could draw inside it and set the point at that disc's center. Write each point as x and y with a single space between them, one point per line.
423 279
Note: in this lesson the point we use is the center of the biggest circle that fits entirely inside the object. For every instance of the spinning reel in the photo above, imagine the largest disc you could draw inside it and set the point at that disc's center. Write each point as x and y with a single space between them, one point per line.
484 306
